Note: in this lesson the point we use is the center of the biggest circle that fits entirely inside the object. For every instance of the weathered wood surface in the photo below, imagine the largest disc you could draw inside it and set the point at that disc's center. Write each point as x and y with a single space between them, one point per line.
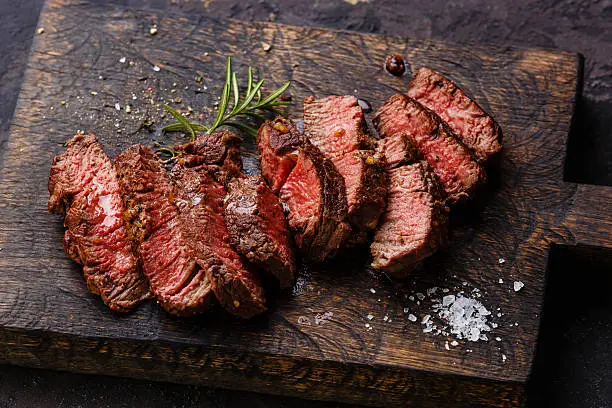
48 318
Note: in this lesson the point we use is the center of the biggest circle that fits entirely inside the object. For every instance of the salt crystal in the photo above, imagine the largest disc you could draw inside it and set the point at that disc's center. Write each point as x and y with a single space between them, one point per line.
501 280
412 318
431 291
502 261
498 338
446 346
122 60
445 290
504 358
117 106
386 318
448 300
405 310
372 290
370 317
454 343
156 68
464 283
367 325
518 285
499 315
425 319
420 296
411 298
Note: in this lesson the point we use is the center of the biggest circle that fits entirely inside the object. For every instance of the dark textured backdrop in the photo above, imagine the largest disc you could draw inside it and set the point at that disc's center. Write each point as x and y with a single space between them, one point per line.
573 365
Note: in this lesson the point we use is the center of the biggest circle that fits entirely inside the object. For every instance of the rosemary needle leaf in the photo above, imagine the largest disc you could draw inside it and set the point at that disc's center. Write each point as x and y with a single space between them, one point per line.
274 95
236 92
250 83
249 98
177 127
181 119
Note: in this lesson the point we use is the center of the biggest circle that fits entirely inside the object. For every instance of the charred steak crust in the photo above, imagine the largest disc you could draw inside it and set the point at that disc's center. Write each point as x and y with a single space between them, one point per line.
415 222
277 142
200 200
220 151
476 129
84 184
258 228
450 160
180 284
324 230
336 126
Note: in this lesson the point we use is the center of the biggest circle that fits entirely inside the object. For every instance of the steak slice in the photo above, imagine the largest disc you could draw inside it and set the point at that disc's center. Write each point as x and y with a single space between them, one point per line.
200 199
450 159
84 184
220 151
476 129
179 282
415 222
337 127
314 194
398 150
277 142
258 228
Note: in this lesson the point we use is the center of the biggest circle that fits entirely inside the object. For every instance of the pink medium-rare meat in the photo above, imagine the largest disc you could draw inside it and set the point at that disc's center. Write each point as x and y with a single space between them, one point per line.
84 184
170 263
258 228
200 200
315 197
451 161
415 222
277 142
476 129
336 126
178 220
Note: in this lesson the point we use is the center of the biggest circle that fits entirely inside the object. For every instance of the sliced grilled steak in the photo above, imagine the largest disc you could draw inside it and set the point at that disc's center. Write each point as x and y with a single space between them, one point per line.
450 159
277 142
398 150
83 182
200 199
476 129
258 228
415 222
179 282
220 151
315 196
337 127
180 226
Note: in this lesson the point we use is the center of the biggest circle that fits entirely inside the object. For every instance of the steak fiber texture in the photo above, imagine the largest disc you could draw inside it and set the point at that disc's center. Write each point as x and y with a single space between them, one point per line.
178 221
84 184
435 142
336 126
258 228
476 129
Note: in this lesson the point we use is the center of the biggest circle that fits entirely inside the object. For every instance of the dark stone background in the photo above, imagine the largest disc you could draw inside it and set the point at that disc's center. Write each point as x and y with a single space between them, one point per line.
573 366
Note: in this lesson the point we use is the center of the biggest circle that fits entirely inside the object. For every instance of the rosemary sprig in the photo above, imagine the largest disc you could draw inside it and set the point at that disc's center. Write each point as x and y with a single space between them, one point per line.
245 106
164 150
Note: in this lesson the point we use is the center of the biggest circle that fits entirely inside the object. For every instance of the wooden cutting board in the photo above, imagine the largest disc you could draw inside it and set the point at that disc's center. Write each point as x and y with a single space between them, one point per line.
314 343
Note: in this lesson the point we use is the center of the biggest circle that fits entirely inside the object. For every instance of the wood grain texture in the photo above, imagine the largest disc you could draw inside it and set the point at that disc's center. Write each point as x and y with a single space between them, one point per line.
590 218
48 318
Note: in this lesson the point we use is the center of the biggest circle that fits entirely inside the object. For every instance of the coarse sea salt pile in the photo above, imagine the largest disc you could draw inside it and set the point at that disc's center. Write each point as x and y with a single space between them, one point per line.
459 316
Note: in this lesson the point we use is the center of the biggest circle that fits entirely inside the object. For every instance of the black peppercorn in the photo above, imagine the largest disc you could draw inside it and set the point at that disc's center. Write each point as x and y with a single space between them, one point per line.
394 64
